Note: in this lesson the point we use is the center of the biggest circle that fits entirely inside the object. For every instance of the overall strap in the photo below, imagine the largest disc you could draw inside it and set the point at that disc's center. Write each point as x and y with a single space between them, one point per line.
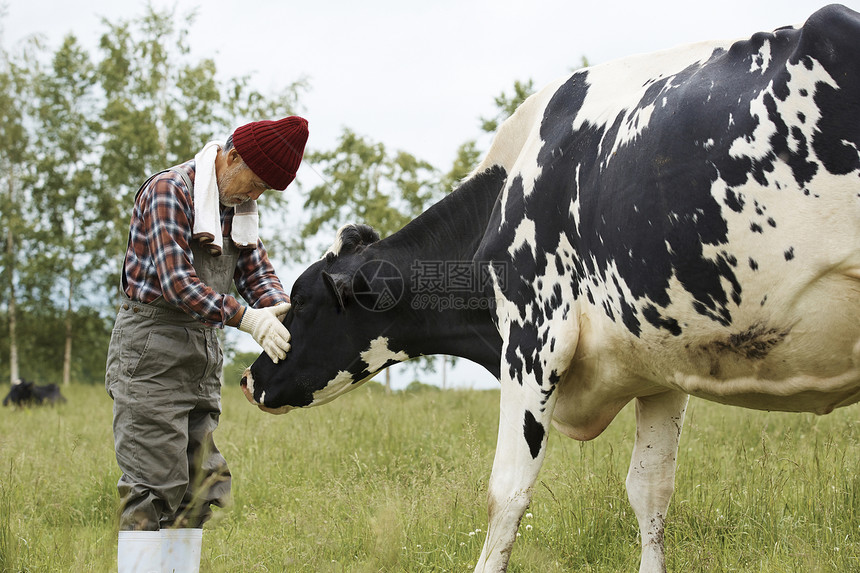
185 179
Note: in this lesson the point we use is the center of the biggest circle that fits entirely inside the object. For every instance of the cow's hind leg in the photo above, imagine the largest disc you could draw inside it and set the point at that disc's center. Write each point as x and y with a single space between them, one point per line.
651 479
525 414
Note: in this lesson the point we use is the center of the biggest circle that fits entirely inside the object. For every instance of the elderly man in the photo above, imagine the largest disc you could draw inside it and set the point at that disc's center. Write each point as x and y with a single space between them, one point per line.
193 234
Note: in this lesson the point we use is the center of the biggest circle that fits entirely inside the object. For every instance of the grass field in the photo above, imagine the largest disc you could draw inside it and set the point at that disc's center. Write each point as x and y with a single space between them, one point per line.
373 482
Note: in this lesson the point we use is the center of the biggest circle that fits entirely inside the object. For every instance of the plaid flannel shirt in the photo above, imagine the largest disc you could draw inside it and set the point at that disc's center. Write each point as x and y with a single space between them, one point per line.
158 259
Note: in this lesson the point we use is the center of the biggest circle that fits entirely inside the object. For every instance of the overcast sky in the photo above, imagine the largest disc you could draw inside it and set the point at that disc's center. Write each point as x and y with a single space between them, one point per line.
415 76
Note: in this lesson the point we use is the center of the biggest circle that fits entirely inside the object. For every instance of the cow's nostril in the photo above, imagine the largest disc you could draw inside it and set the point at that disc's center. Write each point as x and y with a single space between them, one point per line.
244 381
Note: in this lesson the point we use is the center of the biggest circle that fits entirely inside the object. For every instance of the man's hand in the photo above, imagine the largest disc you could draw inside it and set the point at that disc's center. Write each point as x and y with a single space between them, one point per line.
264 324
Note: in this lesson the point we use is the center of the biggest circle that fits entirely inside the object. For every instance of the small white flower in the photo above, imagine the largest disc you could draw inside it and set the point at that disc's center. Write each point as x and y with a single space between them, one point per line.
529 515
471 534
529 527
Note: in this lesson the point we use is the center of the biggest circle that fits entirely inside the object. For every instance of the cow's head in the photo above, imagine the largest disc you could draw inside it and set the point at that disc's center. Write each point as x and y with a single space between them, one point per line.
342 307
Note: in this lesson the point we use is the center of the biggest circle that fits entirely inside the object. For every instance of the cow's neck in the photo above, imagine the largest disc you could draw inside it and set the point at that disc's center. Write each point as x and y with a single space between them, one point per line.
470 334
444 238
452 229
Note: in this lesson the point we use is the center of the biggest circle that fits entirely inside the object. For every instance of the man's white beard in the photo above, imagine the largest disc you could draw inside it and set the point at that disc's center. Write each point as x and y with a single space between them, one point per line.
224 182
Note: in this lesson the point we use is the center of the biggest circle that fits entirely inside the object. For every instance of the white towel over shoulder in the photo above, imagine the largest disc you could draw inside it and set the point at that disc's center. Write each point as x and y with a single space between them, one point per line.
207 208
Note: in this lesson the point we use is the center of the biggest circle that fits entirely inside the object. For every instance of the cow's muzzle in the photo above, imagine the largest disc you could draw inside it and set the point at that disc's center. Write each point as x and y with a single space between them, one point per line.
247 384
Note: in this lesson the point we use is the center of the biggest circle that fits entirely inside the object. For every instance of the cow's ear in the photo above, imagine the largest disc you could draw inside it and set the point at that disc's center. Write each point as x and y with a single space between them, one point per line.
339 284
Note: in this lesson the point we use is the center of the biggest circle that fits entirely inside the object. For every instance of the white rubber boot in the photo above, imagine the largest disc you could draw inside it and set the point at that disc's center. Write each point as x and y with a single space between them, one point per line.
180 550
138 552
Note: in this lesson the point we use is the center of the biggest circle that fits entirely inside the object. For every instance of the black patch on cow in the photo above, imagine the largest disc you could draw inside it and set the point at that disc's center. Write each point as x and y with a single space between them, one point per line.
730 259
533 432
628 317
789 254
608 310
515 364
628 218
525 339
830 36
628 311
734 201
653 316
754 343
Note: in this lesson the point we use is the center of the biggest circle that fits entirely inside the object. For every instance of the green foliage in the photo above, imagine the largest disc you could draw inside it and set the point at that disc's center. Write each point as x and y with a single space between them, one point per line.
70 217
41 335
150 117
416 387
398 483
366 183
78 134
373 386
161 105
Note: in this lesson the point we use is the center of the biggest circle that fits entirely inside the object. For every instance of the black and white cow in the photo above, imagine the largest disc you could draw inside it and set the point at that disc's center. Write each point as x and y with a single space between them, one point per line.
26 393
673 224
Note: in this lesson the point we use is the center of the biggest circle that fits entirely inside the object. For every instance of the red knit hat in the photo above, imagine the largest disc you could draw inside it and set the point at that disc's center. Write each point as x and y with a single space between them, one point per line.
273 149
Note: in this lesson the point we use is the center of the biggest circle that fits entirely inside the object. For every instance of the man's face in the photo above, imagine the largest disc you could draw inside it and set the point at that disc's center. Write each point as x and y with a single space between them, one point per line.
237 184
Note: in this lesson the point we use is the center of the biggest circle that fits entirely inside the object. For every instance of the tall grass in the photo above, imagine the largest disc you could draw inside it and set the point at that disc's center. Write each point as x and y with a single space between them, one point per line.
373 482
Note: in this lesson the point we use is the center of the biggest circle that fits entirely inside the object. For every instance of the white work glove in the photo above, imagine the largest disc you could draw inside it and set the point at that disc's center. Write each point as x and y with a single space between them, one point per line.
264 324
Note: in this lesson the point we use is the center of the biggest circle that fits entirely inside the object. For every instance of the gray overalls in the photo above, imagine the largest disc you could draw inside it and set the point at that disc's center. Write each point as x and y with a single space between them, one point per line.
164 375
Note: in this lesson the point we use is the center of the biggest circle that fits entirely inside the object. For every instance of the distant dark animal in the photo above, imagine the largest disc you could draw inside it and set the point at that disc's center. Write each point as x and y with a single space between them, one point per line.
26 393
673 224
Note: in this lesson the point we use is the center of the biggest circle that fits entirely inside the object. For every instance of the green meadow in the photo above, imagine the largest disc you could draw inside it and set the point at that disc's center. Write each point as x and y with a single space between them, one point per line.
377 483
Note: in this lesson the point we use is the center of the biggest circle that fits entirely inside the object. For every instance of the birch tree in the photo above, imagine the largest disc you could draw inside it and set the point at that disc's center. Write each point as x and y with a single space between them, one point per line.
15 88
70 204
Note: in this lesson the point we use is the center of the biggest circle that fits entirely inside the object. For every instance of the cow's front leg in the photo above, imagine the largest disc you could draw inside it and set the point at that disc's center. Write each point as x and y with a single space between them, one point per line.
651 479
525 413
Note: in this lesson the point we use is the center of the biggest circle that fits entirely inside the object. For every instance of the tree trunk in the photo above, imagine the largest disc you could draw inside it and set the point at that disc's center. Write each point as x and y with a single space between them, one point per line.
72 277
388 381
13 325
444 372
67 354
